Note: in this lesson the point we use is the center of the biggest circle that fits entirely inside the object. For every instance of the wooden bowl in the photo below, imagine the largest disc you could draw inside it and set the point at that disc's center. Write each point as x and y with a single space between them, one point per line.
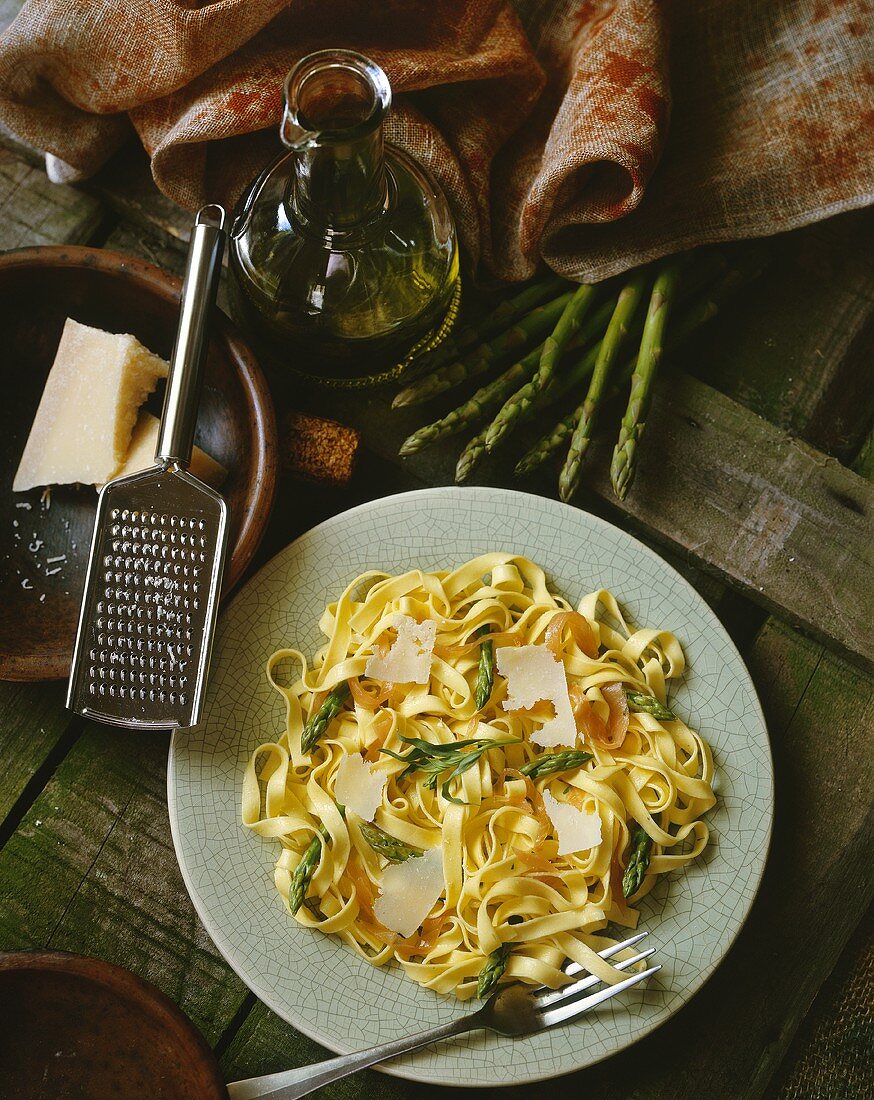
76 1026
39 289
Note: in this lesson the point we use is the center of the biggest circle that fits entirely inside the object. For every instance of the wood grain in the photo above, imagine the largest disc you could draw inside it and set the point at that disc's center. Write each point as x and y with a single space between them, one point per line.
34 211
32 723
797 347
92 869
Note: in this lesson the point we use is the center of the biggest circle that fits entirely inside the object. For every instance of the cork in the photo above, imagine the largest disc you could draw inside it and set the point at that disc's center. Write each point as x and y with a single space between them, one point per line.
318 450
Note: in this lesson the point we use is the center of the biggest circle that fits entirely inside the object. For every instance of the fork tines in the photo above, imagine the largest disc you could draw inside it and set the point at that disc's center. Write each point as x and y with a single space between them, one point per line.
556 1005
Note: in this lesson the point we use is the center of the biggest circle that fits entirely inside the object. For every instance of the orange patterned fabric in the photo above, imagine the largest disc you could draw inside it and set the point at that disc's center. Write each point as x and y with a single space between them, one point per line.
592 134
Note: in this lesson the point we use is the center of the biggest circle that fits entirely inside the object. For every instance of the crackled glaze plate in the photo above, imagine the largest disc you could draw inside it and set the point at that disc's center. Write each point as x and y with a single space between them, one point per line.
323 988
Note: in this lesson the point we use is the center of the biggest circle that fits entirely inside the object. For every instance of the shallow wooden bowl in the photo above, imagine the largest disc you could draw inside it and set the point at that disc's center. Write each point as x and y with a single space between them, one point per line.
77 1026
39 289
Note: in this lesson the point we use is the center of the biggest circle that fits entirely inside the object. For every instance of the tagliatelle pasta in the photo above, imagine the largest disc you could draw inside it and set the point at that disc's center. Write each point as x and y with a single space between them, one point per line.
506 891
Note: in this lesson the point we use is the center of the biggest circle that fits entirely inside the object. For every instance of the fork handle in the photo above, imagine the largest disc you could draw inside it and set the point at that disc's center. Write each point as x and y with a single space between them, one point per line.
292 1083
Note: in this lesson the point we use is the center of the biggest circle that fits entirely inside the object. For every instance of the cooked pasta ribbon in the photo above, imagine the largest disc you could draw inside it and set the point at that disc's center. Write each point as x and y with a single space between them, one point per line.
505 886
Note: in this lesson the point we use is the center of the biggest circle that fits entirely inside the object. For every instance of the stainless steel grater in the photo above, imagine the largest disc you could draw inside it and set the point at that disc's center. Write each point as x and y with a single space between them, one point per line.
154 575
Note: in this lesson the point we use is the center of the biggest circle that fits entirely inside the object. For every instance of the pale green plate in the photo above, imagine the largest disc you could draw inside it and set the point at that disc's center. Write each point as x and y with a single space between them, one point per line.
322 987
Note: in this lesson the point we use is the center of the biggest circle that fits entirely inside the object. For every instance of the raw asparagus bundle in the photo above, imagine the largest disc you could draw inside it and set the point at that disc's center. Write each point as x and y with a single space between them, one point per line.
549 372
528 330
703 308
502 316
486 397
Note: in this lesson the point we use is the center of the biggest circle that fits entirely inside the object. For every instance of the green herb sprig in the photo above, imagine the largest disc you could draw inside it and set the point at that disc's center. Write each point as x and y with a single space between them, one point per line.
435 759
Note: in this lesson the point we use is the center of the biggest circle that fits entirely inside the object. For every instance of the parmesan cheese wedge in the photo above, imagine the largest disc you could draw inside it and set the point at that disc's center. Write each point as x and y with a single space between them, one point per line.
577 830
358 787
409 659
82 429
409 892
141 453
533 672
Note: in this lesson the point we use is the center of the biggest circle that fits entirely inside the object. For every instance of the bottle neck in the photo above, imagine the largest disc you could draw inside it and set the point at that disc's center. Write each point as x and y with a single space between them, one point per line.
340 182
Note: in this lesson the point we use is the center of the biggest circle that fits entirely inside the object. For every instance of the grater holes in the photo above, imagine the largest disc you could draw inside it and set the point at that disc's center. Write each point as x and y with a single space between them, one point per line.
142 648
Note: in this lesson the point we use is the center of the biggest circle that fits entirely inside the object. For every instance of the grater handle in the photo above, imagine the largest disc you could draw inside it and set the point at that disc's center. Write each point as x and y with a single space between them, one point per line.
182 398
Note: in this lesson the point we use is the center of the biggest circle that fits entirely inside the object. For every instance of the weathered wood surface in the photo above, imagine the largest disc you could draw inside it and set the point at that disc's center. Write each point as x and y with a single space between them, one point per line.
812 377
33 723
34 211
91 868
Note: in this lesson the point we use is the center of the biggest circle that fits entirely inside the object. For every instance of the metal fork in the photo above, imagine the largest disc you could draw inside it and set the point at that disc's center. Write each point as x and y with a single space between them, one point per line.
513 1010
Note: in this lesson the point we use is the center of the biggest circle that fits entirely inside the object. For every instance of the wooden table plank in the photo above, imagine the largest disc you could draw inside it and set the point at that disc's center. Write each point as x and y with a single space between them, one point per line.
34 211
33 725
797 348
92 869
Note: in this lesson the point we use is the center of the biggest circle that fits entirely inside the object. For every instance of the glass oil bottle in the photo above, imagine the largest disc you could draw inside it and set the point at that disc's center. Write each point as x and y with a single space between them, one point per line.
343 253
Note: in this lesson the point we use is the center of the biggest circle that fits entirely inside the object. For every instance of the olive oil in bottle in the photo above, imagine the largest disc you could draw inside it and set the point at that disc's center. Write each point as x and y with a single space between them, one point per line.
343 253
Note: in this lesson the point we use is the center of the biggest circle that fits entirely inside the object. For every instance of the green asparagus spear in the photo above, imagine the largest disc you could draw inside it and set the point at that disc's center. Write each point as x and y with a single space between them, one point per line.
485 679
493 971
617 331
638 861
394 850
622 467
502 316
639 700
524 402
305 870
704 307
548 444
436 758
473 453
526 332
568 324
548 763
330 708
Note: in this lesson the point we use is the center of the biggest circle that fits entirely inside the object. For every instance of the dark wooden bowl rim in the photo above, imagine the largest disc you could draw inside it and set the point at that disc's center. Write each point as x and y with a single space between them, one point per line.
137 992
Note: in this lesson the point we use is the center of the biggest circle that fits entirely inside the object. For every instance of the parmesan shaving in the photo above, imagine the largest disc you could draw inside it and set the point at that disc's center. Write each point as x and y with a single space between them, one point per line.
409 659
576 829
409 892
358 787
533 672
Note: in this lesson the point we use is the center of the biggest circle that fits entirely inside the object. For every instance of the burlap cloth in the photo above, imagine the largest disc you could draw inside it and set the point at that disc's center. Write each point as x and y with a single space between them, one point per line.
593 134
